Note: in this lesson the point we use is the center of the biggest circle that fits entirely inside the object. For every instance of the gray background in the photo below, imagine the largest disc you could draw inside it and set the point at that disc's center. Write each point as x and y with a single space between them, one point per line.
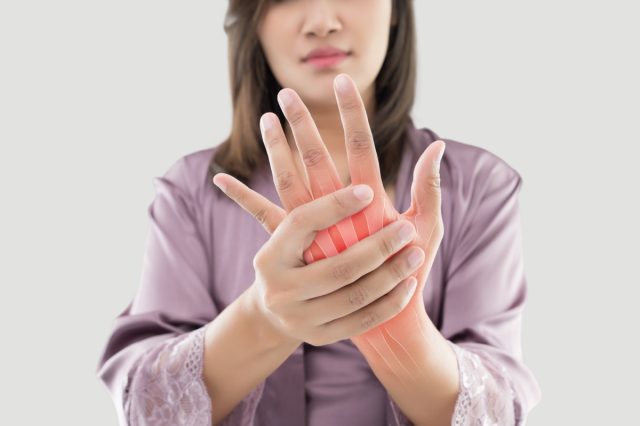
96 98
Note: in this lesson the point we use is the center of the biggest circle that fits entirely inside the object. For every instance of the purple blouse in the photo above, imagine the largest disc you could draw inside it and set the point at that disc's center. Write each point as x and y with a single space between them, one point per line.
199 258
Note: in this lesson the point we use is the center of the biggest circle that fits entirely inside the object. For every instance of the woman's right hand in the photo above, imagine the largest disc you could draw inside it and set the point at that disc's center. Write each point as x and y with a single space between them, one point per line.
340 296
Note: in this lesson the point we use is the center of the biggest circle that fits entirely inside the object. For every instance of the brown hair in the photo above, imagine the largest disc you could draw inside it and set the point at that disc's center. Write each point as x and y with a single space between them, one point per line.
254 89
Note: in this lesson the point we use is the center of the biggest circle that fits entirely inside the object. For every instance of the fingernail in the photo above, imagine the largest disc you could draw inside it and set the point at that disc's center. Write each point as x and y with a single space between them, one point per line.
285 98
220 185
362 192
415 258
410 285
266 123
405 232
342 83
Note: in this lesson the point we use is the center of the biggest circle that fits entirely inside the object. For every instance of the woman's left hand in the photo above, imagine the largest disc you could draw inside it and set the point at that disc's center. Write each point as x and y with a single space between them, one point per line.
411 325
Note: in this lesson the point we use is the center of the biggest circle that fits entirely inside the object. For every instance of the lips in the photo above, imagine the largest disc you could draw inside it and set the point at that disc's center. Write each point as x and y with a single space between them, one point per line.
324 52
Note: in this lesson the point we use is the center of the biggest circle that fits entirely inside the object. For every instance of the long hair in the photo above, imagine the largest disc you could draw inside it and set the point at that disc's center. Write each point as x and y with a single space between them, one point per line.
254 89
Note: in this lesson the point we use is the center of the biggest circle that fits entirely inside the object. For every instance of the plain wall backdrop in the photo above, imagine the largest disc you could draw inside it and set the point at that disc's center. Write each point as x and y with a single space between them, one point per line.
96 98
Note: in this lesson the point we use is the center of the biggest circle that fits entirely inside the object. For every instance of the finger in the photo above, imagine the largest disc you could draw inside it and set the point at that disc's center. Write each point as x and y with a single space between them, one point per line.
334 273
361 151
322 173
292 190
263 210
301 224
426 197
374 314
288 182
366 290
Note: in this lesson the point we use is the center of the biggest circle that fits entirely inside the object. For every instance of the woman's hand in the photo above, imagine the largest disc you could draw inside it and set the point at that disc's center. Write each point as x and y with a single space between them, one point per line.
410 325
318 303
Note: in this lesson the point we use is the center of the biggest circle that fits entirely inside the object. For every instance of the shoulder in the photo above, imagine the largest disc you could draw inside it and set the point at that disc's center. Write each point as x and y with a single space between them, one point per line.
467 169
479 196
190 173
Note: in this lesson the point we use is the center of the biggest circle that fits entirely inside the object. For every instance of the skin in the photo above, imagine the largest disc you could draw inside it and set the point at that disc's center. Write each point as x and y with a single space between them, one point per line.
392 330
406 351
290 29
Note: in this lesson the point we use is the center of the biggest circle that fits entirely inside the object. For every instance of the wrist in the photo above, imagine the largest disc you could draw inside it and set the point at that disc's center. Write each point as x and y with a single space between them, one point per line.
266 331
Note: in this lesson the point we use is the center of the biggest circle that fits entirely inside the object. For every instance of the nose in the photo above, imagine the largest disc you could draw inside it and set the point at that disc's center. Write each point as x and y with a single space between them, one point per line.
321 19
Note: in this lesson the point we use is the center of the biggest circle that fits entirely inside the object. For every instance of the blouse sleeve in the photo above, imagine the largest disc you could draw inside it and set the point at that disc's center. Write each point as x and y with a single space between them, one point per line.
485 295
486 290
152 362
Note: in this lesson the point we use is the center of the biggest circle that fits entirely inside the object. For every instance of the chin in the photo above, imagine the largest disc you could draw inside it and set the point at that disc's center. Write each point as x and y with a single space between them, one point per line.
326 99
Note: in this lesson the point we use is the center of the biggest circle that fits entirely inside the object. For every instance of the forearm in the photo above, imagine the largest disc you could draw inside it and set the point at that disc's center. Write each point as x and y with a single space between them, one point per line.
241 350
420 372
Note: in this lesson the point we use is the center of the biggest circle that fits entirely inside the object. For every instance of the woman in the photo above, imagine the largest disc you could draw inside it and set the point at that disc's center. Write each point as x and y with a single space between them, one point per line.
311 322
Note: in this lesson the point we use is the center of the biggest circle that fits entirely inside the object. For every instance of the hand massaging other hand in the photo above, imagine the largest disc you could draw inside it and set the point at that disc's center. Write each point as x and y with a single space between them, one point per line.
320 303
328 203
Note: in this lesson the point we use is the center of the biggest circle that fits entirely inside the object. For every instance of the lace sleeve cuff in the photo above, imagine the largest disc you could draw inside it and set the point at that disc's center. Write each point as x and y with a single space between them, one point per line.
166 387
486 394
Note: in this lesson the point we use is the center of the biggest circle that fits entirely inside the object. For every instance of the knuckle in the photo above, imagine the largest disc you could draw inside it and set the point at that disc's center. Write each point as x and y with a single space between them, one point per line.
387 247
399 302
274 140
296 218
350 104
438 228
258 260
397 269
337 199
359 143
284 180
296 117
369 320
433 182
342 272
357 296
261 216
314 156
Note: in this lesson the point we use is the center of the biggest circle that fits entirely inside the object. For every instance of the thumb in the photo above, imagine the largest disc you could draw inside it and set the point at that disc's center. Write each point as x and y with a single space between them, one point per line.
425 190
